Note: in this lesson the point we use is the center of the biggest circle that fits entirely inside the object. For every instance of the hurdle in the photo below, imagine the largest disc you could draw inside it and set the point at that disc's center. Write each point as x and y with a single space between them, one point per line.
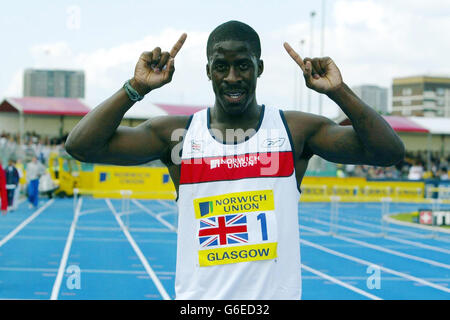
385 209
384 195
125 197
334 214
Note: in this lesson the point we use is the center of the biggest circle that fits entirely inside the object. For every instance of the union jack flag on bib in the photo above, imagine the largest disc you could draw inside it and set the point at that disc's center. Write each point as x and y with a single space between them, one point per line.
223 230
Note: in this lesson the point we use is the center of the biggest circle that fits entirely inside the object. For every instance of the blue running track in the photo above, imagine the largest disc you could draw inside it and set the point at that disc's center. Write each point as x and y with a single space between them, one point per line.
108 249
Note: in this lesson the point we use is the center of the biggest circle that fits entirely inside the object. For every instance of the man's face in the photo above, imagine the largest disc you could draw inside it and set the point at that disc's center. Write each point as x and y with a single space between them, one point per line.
233 69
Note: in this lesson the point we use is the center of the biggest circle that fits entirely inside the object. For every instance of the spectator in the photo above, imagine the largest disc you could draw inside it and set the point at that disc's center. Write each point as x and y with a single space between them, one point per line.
22 182
443 174
3 195
350 168
12 182
416 171
30 151
34 172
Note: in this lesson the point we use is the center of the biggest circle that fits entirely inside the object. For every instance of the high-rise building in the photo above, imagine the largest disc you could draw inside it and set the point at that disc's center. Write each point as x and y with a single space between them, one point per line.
375 96
53 83
421 96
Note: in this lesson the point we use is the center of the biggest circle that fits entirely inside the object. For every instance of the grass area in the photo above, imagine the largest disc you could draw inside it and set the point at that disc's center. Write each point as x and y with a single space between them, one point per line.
407 217
410 217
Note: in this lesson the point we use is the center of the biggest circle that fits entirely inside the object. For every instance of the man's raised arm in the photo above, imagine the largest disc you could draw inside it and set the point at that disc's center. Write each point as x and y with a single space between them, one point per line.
370 139
98 136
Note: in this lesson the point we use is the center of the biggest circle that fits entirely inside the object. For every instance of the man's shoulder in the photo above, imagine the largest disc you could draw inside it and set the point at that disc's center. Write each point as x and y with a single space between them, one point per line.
173 121
304 123
166 125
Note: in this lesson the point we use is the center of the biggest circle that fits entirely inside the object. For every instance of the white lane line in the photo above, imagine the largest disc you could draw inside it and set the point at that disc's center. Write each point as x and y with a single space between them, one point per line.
368 263
171 273
165 213
418 244
371 234
172 206
10 235
393 221
163 221
91 211
139 253
378 226
341 283
143 229
15 269
379 248
87 228
65 256
416 225
129 212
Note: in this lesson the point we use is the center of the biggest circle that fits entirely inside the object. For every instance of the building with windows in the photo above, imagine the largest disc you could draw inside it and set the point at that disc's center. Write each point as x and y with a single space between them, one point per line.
53 83
375 96
423 95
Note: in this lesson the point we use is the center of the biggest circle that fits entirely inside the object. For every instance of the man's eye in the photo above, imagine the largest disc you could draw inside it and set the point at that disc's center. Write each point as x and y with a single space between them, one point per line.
244 66
220 67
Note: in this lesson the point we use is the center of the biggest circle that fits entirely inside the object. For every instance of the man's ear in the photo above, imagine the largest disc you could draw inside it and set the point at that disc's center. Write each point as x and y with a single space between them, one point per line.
260 67
208 73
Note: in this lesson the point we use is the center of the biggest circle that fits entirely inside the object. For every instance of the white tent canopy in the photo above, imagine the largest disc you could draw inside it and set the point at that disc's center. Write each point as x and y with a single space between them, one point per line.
439 126
144 110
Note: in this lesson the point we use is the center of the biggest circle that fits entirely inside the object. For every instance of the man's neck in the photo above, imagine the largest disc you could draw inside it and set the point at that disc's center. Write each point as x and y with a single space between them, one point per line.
235 128
248 119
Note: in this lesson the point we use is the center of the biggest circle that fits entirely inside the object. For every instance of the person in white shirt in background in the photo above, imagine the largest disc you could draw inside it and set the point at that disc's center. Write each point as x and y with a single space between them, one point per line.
34 171
443 174
416 171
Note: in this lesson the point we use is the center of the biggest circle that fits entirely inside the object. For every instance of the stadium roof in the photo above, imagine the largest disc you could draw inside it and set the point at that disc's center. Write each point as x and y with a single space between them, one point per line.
146 109
434 125
76 107
45 106
179 109
399 124
403 124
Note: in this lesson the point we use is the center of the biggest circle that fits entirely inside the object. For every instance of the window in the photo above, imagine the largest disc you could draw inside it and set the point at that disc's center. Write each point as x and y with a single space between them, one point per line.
406 91
440 92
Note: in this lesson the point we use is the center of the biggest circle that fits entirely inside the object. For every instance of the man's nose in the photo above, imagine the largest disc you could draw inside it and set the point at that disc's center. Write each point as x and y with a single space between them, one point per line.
233 76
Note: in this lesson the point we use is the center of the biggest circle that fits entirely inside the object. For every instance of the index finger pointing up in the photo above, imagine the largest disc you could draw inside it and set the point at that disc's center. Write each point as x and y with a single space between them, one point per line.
178 45
294 55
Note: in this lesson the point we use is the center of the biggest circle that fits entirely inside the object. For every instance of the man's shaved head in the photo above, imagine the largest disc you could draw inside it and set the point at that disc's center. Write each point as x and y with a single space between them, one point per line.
234 30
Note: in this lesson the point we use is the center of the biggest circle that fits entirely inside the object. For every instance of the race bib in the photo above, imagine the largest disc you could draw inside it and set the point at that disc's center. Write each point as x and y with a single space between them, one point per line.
236 227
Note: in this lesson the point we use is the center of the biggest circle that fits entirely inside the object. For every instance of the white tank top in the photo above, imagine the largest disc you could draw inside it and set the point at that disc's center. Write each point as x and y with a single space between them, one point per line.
238 234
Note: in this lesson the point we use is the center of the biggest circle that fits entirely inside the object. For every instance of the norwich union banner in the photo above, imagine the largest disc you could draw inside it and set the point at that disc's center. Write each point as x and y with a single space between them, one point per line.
143 182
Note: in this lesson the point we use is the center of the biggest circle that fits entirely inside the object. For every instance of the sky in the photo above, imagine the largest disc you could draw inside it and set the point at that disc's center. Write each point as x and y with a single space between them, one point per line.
371 42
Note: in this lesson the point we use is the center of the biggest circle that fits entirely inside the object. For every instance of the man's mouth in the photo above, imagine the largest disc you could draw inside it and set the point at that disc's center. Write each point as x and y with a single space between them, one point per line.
234 96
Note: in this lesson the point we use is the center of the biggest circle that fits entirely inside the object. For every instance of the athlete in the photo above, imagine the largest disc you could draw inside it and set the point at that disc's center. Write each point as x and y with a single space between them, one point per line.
237 193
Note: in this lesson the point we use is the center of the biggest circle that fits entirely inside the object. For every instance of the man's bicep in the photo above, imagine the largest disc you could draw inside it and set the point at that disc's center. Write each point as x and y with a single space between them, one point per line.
132 146
337 143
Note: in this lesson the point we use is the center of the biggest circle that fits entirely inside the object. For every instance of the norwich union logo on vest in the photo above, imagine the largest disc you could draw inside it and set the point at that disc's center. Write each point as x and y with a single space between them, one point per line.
232 203
239 162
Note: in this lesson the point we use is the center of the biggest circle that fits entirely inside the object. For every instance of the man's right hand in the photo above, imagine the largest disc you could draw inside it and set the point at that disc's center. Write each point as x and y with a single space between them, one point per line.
155 68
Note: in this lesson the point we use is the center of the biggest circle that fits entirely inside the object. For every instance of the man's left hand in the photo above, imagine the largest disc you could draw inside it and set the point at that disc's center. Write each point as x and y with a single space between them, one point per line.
321 74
